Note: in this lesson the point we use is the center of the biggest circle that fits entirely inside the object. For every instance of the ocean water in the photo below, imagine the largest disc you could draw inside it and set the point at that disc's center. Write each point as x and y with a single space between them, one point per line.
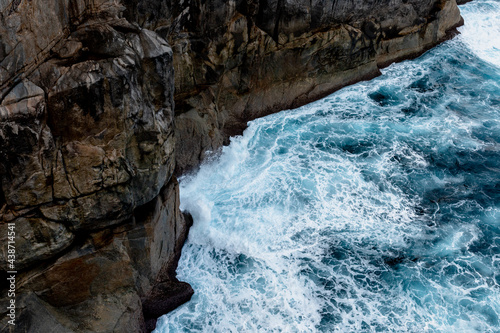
376 209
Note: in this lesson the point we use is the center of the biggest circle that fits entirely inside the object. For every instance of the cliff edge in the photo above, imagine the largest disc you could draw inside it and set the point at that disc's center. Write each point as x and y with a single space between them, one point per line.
238 60
104 102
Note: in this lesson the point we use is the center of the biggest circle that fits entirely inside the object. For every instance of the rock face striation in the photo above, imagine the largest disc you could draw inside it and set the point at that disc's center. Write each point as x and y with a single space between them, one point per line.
90 140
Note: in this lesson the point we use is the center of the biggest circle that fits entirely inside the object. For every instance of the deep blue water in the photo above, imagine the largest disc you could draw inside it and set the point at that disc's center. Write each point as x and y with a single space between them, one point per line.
376 209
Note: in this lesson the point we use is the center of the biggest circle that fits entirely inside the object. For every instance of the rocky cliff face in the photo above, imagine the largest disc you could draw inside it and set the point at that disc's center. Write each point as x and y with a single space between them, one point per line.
90 138
238 60
86 165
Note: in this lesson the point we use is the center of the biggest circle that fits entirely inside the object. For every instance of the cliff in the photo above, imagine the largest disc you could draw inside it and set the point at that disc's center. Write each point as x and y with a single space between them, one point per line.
235 61
87 160
90 140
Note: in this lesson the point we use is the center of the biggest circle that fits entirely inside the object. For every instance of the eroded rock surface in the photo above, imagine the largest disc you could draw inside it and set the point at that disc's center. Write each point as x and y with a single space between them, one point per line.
90 138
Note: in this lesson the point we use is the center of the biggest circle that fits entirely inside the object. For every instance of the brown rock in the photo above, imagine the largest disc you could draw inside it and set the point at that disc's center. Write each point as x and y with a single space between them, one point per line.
37 239
103 281
86 142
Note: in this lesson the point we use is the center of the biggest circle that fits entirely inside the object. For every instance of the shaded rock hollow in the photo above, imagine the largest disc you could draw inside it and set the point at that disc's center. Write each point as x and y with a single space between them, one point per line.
90 140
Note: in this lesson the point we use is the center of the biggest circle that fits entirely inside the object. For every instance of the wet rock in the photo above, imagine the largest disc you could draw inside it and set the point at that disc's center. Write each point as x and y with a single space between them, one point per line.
164 297
102 282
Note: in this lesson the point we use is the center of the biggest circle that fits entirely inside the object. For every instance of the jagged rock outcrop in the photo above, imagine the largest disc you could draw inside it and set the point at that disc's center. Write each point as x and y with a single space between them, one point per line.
90 139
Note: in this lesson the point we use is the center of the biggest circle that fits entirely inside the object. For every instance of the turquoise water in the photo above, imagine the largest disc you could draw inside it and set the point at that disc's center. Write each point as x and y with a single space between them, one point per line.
376 209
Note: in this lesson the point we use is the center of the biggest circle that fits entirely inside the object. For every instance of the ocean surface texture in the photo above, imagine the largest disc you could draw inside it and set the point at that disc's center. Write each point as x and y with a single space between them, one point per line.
376 209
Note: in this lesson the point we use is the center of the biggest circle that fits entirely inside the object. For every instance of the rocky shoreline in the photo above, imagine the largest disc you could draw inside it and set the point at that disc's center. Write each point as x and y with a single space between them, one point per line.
103 103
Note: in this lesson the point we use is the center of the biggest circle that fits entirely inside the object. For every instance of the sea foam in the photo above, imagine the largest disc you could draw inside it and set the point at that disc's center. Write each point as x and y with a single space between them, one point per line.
375 209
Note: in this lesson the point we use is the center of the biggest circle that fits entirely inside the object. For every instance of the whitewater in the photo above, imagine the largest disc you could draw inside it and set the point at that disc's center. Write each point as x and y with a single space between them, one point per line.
375 209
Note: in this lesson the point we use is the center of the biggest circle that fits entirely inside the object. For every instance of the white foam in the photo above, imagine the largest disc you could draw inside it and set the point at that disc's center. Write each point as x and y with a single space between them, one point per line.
286 209
481 30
